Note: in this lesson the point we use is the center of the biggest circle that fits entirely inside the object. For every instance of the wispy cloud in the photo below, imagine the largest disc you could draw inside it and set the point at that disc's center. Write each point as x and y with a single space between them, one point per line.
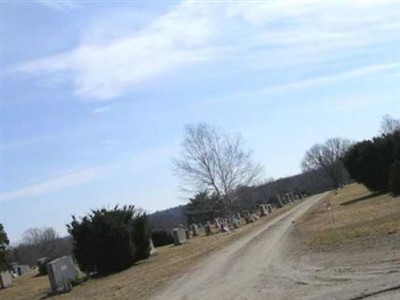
101 109
58 183
33 140
68 179
260 35
59 4
364 72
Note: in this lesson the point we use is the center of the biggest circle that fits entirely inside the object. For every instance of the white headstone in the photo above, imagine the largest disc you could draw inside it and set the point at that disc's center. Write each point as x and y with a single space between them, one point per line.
195 229
5 280
22 270
179 236
263 210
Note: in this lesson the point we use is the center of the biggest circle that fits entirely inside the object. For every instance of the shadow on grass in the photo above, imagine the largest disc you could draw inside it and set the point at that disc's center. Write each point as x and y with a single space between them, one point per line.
363 198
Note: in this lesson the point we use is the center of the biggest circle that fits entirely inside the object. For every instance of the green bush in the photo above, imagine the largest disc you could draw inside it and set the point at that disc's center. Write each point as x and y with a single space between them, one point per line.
369 162
394 178
162 237
141 237
4 242
107 241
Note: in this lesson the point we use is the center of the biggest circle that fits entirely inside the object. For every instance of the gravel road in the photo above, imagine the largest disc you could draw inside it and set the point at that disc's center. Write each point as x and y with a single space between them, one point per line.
259 266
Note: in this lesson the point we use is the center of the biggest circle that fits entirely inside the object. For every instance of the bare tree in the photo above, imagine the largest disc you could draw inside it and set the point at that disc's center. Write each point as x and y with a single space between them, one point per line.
45 241
328 157
211 160
389 125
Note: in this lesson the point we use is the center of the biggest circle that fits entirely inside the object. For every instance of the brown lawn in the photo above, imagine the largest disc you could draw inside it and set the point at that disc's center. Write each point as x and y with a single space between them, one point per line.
356 214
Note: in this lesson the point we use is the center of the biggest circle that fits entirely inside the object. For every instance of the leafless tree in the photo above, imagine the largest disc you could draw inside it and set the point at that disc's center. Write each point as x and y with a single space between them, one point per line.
43 242
389 125
328 157
214 161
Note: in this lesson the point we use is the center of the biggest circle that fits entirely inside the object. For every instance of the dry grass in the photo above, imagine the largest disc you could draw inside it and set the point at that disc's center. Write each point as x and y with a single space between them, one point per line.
143 279
356 213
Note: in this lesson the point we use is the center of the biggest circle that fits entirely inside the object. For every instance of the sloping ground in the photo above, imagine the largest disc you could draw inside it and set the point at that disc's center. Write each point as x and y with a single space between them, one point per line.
357 218
143 279
306 252
292 257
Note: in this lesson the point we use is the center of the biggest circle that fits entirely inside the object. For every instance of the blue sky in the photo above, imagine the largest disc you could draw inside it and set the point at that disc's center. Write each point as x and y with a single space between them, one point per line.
95 95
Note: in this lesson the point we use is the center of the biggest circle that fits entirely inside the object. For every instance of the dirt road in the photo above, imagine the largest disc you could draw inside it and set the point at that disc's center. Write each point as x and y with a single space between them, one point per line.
260 266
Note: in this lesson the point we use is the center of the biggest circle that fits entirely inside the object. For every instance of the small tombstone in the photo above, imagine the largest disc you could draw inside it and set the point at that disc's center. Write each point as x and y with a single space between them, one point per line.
269 208
14 268
293 197
189 234
195 229
236 223
179 236
153 250
5 280
263 210
217 223
225 228
61 272
22 270
238 215
208 230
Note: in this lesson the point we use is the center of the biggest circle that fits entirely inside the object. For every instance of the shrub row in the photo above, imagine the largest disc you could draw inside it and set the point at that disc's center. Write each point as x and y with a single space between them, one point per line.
376 163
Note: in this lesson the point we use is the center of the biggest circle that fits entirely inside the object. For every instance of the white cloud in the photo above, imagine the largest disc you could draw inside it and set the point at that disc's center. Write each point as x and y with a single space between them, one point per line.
260 35
363 72
59 4
58 183
138 162
101 109
33 140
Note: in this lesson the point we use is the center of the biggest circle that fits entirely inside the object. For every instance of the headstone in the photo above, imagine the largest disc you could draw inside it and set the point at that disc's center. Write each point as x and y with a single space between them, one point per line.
14 268
5 280
238 215
263 210
217 223
22 270
208 230
236 223
225 228
269 208
179 236
61 272
153 250
195 229
189 234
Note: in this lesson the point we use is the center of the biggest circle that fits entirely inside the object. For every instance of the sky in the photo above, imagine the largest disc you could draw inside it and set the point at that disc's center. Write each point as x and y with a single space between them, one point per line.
95 94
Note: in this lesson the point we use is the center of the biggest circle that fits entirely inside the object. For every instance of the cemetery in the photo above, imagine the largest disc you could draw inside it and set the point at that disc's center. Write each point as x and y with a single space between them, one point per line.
191 243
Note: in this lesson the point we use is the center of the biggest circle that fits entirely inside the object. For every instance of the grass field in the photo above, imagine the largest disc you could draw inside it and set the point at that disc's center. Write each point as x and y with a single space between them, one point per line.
356 214
141 280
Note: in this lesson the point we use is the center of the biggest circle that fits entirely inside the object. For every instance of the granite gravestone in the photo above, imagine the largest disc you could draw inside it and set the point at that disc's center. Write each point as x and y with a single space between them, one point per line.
61 272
